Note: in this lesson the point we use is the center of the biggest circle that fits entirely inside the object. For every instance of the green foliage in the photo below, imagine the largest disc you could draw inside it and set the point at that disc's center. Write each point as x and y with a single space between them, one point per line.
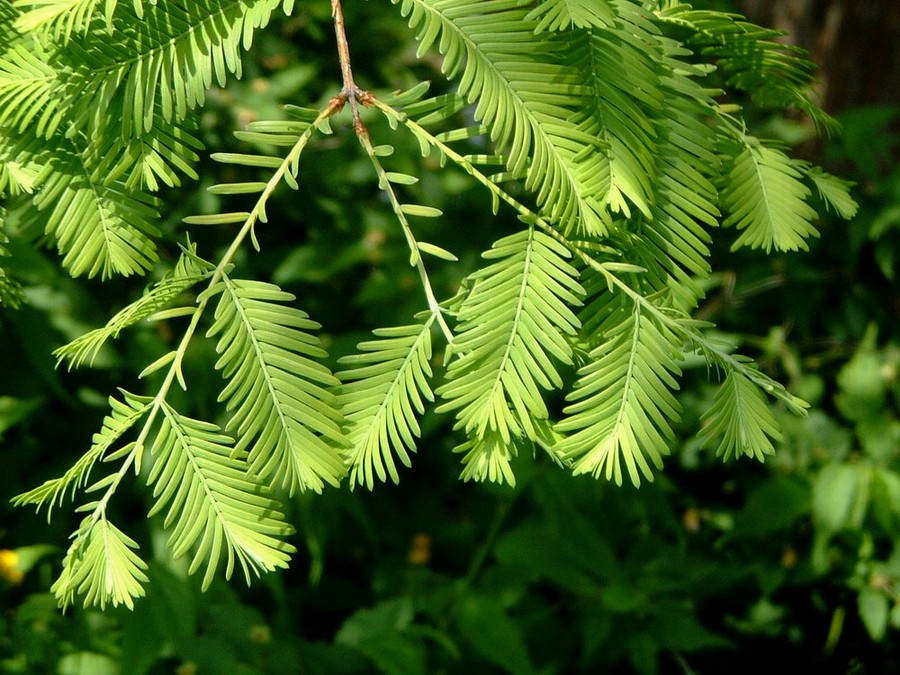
750 57
525 100
386 383
212 502
513 325
766 199
623 402
10 292
619 150
278 395
125 414
188 271
854 500
741 418
102 566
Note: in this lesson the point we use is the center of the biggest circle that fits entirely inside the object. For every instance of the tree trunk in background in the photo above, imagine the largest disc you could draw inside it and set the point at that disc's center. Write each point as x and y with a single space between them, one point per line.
855 42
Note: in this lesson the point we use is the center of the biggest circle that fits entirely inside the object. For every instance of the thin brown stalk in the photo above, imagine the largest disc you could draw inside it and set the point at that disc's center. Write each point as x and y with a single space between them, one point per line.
350 91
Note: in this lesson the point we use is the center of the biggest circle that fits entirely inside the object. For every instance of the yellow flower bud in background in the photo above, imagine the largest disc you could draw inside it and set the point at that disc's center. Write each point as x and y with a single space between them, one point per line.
9 566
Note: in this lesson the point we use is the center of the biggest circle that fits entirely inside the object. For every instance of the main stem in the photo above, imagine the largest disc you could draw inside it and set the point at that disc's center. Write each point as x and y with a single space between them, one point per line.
350 92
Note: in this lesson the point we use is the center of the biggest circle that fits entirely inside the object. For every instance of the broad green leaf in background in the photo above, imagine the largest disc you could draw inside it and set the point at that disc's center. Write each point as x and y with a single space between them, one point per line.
493 634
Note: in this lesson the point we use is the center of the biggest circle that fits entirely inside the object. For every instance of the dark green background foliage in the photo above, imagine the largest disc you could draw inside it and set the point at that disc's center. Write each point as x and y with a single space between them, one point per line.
711 568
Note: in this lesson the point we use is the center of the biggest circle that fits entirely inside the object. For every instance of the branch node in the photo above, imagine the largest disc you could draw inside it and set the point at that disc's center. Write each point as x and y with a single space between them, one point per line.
367 98
336 103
